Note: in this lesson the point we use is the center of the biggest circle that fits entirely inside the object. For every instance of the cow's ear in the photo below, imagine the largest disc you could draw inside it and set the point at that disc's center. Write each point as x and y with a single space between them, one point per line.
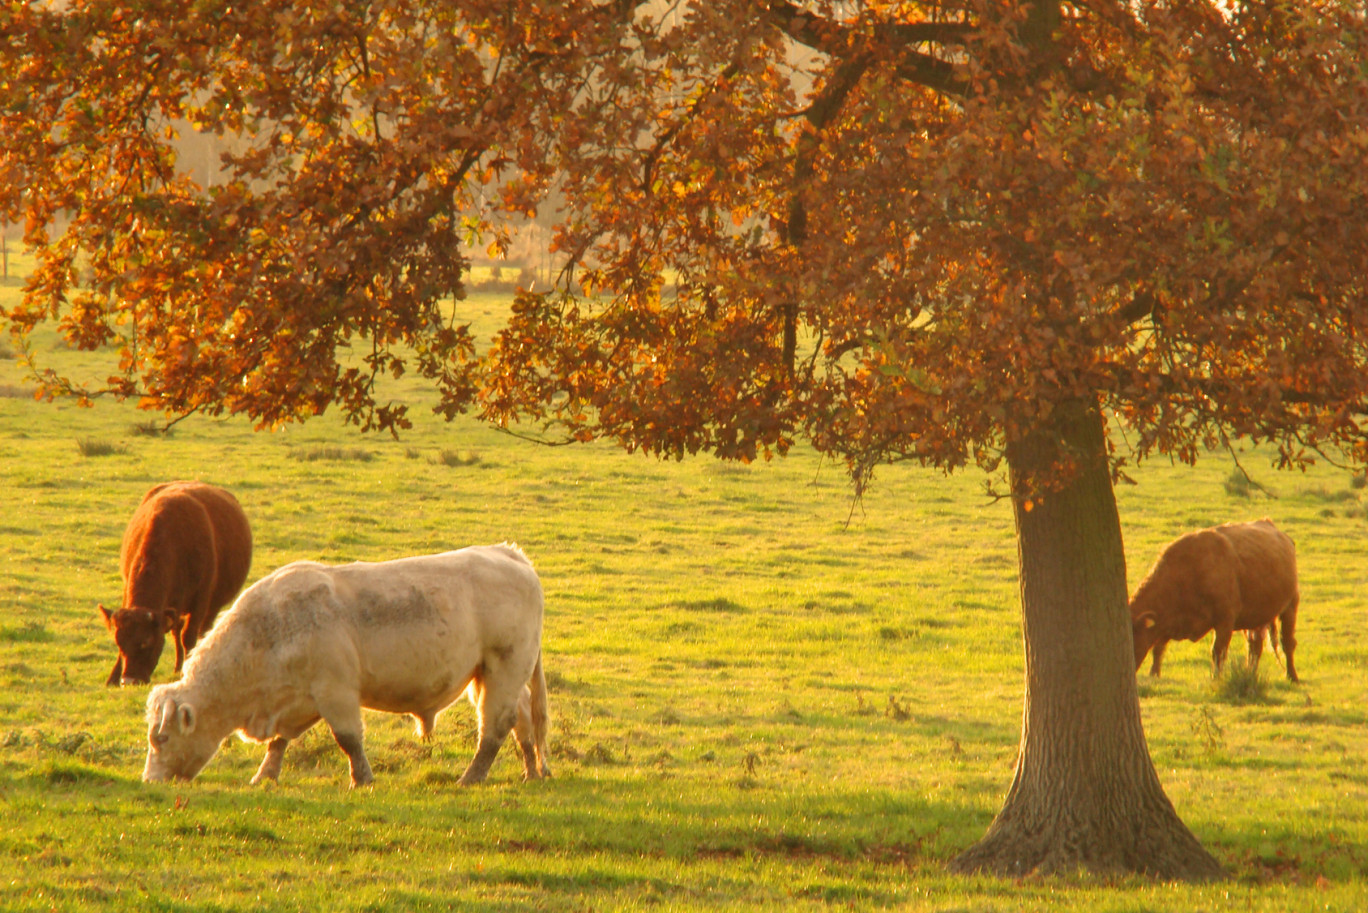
185 719
1147 620
168 619
107 615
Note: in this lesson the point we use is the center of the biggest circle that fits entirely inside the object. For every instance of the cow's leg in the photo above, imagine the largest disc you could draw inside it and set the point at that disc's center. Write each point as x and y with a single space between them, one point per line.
526 736
1219 647
270 765
194 626
1256 643
496 700
356 755
1158 652
1289 638
344 719
539 716
178 636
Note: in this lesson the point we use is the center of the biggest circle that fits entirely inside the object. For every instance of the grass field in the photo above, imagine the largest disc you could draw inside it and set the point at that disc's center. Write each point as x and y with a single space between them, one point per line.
755 705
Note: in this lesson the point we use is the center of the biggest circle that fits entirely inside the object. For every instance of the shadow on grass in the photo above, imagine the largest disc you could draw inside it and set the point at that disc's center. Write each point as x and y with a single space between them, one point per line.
582 840
691 817
705 605
1255 854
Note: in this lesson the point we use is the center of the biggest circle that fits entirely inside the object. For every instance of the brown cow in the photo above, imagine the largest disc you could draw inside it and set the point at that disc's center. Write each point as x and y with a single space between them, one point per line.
1234 577
185 554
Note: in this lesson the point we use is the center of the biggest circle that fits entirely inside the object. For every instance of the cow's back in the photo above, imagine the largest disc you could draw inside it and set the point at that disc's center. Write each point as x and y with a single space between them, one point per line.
167 549
232 538
182 537
1267 572
456 608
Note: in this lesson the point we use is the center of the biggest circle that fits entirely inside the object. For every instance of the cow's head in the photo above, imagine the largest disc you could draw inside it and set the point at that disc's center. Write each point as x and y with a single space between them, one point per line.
1144 633
140 635
176 748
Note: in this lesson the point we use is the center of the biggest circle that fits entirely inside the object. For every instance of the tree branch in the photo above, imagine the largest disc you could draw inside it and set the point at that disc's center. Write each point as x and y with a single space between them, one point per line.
1216 391
835 38
653 154
842 41
931 72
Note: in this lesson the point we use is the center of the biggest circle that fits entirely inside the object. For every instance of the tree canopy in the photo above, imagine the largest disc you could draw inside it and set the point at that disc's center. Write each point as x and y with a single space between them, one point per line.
901 230
970 219
951 232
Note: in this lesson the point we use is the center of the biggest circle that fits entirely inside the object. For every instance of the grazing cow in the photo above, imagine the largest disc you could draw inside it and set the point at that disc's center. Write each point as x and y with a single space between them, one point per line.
185 555
1234 577
314 642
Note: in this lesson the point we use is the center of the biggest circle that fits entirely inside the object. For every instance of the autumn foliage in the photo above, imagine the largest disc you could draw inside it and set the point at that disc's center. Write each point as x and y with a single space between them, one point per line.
924 256
901 232
365 138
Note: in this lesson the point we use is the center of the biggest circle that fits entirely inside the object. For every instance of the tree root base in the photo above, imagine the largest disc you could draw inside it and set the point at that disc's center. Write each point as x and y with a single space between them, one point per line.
1179 857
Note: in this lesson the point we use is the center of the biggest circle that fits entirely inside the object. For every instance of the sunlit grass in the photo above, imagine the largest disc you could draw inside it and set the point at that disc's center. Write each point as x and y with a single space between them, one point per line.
755 705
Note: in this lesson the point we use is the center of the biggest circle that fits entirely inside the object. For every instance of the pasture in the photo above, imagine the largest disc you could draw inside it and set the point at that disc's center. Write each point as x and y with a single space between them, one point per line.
755 703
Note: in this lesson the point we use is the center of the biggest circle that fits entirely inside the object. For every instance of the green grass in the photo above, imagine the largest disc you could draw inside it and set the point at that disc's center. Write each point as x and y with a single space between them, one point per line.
754 705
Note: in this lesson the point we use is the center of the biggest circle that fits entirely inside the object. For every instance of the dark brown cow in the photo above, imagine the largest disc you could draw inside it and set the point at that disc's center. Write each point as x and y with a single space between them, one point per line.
1234 577
185 554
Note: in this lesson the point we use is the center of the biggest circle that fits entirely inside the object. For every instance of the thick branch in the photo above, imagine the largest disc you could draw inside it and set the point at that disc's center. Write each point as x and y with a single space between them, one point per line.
821 112
842 41
931 72
1172 386
1141 305
835 39
828 102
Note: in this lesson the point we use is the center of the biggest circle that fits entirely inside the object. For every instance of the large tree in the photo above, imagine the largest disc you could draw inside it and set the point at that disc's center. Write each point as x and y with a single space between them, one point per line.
1041 237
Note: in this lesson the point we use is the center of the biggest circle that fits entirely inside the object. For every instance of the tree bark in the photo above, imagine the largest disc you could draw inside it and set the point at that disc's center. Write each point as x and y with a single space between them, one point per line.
1085 794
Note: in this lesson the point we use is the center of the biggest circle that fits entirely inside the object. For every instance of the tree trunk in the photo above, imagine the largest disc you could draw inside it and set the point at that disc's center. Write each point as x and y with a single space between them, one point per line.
1085 795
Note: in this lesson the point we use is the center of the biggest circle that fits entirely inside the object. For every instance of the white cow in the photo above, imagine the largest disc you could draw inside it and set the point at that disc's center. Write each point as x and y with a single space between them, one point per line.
314 642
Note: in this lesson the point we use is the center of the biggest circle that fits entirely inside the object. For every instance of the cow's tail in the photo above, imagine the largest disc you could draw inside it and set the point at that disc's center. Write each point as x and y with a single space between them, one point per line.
541 718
